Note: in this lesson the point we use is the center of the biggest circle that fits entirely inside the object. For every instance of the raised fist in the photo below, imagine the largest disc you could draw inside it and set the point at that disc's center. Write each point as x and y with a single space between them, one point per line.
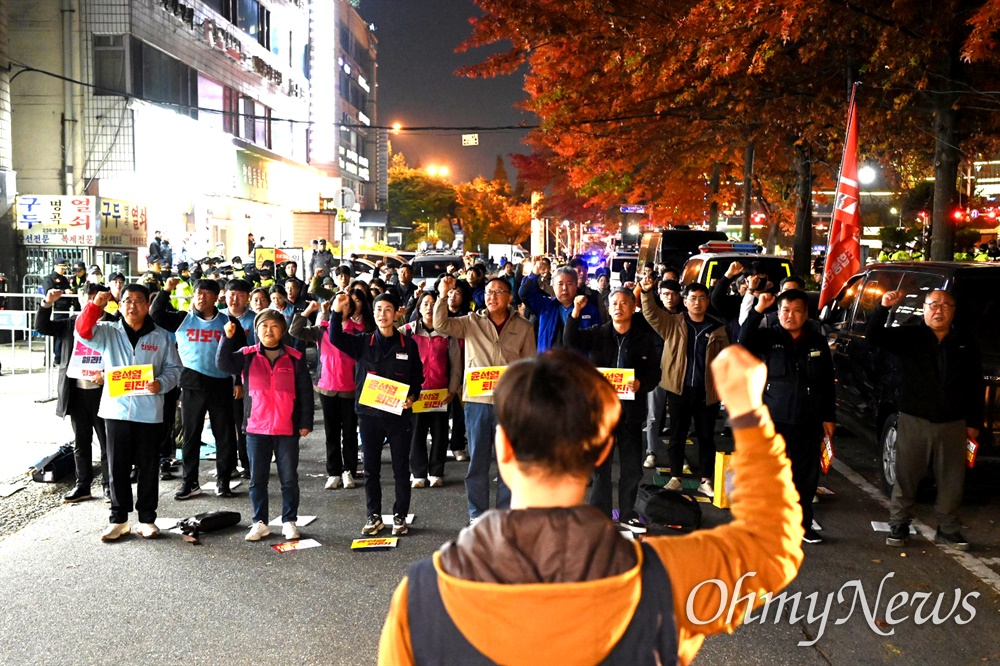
579 303
102 299
230 329
52 296
341 303
740 378
447 284
171 284
891 298
646 283
312 307
734 269
764 301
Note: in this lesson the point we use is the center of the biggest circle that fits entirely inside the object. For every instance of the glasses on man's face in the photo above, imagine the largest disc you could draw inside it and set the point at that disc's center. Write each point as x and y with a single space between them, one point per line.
697 298
934 306
497 292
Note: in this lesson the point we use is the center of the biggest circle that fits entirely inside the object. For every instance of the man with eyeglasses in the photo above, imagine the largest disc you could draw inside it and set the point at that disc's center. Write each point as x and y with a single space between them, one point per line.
495 336
134 422
941 404
691 340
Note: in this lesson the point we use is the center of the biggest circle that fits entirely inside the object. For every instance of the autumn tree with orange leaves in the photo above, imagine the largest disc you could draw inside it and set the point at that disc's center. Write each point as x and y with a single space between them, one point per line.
644 100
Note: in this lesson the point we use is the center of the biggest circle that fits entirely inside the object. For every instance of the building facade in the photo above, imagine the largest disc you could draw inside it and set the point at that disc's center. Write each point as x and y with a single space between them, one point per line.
203 119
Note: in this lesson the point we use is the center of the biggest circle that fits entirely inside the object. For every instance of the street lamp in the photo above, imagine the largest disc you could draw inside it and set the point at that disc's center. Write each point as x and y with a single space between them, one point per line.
396 127
867 174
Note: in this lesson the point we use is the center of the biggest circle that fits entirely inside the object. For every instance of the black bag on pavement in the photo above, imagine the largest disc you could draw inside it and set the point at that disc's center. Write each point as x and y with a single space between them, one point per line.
210 521
670 508
54 466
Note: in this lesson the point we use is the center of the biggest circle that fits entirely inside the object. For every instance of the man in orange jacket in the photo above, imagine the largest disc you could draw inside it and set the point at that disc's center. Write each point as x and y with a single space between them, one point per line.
481 596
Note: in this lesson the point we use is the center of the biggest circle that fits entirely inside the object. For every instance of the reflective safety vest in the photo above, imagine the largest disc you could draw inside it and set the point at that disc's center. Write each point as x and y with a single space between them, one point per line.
181 298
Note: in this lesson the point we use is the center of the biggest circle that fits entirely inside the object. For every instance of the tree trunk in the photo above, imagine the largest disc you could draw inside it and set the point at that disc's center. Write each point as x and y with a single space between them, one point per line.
748 155
946 158
713 207
802 252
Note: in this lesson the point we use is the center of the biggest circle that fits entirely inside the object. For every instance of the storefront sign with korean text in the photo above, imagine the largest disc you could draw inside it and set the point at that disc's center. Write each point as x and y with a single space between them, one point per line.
122 224
56 220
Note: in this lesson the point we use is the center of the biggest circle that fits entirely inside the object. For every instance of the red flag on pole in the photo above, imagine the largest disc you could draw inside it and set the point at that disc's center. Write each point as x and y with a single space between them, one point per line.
843 250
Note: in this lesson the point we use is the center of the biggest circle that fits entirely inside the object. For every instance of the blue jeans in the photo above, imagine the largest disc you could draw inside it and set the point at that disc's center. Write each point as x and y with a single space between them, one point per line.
286 452
481 425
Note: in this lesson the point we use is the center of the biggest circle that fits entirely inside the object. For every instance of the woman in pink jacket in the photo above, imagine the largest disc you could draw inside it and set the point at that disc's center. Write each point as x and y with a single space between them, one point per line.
336 386
442 359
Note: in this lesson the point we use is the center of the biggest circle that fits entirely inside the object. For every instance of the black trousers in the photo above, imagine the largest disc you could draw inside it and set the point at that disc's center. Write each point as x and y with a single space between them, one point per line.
802 446
219 407
340 425
457 414
131 443
168 446
83 406
684 408
374 432
629 444
241 437
422 464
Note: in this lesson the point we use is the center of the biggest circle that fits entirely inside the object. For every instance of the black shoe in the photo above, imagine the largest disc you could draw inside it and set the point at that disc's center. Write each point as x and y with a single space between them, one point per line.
78 494
898 534
245 474
188 491
223 490
166 472
812 536
953 540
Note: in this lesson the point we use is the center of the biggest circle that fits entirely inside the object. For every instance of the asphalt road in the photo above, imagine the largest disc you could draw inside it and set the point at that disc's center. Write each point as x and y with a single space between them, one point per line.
68 598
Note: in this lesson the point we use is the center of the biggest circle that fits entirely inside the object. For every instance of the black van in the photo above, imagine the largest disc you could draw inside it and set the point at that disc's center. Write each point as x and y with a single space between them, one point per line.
868 380
674 247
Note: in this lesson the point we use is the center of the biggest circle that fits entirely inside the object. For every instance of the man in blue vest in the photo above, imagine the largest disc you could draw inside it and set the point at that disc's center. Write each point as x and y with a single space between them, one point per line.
204 388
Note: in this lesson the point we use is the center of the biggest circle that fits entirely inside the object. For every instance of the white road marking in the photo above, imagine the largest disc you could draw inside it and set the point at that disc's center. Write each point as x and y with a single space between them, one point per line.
974 565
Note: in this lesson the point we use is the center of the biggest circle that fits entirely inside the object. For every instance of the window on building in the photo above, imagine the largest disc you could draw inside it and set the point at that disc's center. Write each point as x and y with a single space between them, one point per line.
158 77
262 125
264 27
110 65
248 111
230 111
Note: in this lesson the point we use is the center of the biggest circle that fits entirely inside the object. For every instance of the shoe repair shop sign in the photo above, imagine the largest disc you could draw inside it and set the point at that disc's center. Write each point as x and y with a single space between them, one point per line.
79 220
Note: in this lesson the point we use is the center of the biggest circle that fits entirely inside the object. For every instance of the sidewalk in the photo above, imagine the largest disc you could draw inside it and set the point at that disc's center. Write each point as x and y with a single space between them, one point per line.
31 428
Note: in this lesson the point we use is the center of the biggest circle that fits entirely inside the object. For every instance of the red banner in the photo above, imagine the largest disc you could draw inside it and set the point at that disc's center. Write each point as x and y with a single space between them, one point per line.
843 251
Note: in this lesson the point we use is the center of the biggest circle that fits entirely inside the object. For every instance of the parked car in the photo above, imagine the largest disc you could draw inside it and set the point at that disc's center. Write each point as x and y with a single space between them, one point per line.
433 265
868 379
674 246
390 259
616 263
708 267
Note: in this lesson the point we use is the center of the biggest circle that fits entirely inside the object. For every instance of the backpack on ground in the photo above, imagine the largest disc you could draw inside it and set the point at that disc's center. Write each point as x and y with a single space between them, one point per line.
670 508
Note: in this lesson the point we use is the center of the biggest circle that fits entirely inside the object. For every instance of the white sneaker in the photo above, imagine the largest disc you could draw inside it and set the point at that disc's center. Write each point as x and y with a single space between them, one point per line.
290 530
348 480
436 481
332 482
650 461
674 484
418 483
115 530
705 488
258 531
147 530
461 456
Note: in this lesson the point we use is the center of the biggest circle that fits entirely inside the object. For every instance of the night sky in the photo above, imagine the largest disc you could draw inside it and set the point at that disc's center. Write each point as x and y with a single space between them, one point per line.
417 86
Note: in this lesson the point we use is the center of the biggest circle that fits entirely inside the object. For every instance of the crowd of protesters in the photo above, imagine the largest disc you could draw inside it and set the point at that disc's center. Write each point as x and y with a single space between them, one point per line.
249 347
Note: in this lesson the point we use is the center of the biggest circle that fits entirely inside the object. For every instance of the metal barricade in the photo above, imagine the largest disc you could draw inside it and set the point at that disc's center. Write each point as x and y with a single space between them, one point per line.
26 345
